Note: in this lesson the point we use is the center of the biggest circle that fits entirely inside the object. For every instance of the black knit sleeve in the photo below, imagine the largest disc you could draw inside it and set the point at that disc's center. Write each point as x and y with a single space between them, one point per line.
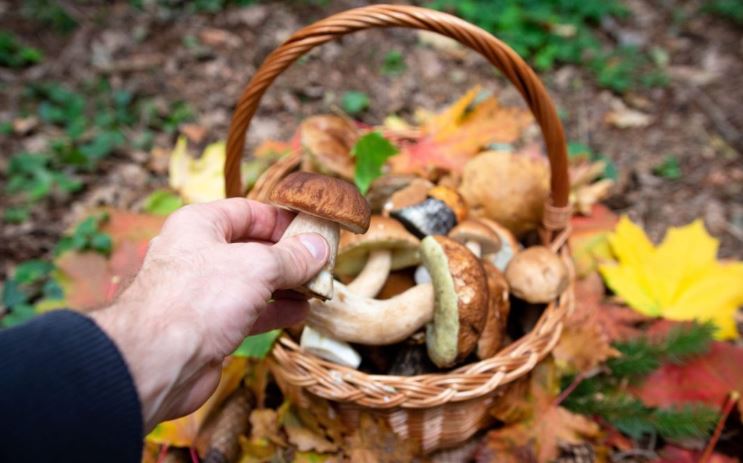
66 394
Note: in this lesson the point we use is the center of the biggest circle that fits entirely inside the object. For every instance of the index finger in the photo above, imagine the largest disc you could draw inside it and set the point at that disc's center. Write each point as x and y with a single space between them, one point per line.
234 219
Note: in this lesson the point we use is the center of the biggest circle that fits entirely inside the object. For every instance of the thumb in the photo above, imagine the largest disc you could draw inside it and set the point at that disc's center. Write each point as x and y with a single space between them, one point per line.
297 259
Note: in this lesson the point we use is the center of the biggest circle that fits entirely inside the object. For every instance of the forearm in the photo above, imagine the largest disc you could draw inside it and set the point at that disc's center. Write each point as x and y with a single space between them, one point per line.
66 392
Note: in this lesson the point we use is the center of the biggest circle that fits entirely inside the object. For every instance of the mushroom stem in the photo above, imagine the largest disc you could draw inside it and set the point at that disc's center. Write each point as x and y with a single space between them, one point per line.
329 349
321 285
371 279
353 318
475 247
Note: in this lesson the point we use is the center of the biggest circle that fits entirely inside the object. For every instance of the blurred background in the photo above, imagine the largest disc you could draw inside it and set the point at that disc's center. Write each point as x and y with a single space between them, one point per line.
93 96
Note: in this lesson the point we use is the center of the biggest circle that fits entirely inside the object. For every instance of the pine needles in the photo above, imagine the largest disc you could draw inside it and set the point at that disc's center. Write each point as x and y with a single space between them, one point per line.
605 395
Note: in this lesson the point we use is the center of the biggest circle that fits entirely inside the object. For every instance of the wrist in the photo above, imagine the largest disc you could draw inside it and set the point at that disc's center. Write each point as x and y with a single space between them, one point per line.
159 356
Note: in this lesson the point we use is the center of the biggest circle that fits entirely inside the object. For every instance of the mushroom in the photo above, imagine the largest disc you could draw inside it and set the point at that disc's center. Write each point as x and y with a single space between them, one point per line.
537 275
413 193
383 188
442 209
478 237
326 142
509 245
328 348
460 302
323 204
385 246
363 320
498 307
508 188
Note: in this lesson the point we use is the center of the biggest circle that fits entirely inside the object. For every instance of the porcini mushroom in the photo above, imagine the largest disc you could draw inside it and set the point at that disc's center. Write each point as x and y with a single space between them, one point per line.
328 348
537 275
498 307
385 246
509 245
508 188
460 300
323 205
326 145
442 209
363 320
413 193
478 237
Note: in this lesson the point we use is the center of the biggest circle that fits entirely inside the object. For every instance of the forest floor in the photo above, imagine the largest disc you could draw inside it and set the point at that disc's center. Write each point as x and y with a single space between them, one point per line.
205 60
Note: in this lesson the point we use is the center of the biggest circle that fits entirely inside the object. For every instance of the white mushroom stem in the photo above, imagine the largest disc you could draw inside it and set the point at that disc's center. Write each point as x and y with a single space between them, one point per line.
328 348
321 285
421 275
353 318
475 247
369 282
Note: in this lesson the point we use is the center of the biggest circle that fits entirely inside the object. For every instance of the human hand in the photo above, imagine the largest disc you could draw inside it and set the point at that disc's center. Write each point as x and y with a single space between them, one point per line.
205 284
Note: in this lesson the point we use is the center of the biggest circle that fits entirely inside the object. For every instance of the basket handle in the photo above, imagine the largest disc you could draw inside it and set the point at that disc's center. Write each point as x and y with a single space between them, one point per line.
497 52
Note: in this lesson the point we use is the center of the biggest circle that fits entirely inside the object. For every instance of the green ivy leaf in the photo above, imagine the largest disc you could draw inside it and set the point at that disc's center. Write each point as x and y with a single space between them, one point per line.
669 168
31 271
257 346
354 102
162 202
371 152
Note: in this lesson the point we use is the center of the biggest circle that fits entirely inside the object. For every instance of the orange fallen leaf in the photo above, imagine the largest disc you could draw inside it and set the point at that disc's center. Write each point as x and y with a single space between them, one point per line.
451 138
373 441
88 279
538 437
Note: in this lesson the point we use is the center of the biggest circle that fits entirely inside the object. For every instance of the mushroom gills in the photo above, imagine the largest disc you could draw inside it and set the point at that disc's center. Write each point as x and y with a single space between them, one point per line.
362 320
328 348
430 217
442 336
321 285
370 281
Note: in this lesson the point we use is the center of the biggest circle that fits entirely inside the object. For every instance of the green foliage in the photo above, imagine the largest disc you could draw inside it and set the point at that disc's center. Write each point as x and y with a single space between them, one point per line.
86 237
93 123
354 102
729 9
257 346
14 54
604 395
393 63
191 6
551 32
632 417
49 13
669 168
30 281
579 150
35 176
16 214
371 152
641 356
162 202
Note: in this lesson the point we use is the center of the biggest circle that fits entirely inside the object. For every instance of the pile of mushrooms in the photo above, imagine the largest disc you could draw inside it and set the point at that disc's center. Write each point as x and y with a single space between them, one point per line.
412 266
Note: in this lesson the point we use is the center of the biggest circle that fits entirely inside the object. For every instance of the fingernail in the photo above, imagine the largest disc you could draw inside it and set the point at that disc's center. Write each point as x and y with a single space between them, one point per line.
315 244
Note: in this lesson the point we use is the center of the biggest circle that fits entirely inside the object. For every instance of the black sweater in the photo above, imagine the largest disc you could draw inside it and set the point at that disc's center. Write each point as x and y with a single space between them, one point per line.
66 394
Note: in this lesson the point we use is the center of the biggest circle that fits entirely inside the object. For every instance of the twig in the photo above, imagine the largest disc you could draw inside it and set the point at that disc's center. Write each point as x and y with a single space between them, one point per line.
718 118
727 407
571 387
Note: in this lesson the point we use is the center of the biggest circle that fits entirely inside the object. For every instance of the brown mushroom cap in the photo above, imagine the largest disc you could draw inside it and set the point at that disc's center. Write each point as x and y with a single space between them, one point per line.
474 230
324 197
537 275
508 188
327 141
461 299
383 233
499 306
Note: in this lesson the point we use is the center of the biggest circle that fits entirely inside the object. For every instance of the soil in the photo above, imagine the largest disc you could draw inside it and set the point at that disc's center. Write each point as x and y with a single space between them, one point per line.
695 118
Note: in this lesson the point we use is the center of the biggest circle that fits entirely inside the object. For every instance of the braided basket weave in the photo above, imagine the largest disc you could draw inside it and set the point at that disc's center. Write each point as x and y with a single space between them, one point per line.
434 410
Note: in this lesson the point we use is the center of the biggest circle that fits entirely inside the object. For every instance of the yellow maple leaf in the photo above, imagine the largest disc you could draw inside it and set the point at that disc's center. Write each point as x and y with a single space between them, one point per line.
197 179
680 279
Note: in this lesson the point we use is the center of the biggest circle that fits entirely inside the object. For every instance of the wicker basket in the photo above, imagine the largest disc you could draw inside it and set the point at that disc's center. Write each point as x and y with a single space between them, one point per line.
435 410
